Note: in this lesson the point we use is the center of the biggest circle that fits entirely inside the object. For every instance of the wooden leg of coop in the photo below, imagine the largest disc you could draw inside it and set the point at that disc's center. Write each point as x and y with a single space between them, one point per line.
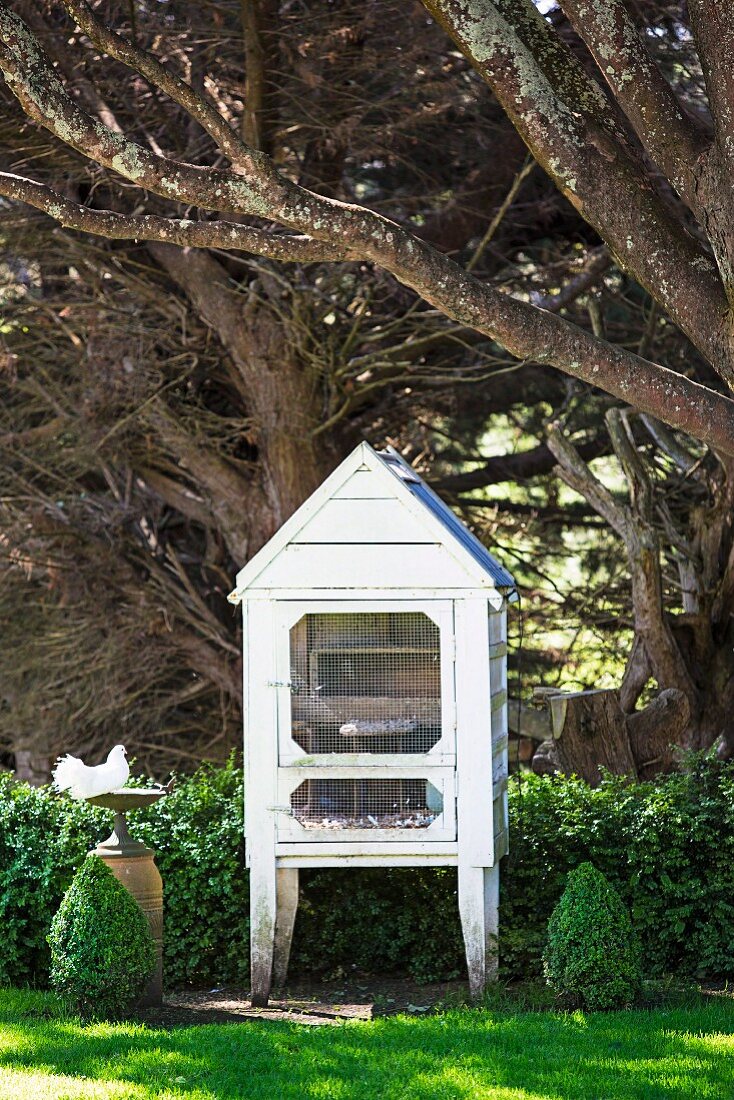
479 910
287 903
262 927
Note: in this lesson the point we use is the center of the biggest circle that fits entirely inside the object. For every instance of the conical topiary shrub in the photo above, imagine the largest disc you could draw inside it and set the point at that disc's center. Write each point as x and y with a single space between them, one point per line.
592 958
102 952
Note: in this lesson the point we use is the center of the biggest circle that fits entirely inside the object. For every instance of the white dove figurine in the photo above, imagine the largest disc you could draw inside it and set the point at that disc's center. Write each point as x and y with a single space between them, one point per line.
71 775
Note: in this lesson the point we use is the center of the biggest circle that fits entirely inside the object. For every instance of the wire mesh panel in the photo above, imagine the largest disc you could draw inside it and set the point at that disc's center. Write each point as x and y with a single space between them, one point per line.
365 682
366 804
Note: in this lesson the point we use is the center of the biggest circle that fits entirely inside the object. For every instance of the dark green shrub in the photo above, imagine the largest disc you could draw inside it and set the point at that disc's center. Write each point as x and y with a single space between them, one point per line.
593 955
43 839
379 921
667 848
196 834
102 952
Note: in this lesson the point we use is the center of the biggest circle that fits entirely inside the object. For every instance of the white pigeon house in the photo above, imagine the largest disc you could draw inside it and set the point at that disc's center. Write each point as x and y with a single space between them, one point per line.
375 688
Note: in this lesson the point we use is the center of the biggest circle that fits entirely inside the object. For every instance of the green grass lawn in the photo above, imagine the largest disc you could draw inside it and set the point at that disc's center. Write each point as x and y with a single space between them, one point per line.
684 1053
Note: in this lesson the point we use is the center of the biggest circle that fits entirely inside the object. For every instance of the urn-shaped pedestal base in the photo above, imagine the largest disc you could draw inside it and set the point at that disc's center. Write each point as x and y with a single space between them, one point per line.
133 865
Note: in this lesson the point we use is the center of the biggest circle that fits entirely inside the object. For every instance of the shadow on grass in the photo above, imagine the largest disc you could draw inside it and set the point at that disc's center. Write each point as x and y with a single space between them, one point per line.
664 1055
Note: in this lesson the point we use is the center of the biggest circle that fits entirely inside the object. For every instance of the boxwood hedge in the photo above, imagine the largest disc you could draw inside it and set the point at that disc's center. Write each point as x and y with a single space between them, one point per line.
102 952
667 847
593 958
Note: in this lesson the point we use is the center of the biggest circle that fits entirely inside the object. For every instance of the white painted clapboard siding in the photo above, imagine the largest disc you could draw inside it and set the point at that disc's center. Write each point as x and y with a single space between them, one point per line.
362 485
360 565
367 520
499 762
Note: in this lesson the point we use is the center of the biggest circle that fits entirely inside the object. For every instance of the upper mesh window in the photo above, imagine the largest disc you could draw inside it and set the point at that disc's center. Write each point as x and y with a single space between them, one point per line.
366 682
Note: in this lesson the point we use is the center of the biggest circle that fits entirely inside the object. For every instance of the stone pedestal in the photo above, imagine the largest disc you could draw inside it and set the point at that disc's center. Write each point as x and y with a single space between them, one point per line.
133 865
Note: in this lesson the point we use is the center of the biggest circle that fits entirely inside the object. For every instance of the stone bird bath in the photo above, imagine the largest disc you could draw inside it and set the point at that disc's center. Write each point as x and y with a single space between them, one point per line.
133 865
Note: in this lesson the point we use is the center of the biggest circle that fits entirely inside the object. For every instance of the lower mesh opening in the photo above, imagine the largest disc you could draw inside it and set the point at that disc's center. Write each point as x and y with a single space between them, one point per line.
366 804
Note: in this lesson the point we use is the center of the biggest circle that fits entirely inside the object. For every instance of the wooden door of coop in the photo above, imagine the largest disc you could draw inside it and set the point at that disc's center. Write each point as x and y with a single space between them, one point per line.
366 720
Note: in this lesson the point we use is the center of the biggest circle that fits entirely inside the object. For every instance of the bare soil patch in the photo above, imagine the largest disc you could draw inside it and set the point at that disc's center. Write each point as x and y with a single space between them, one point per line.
314 1003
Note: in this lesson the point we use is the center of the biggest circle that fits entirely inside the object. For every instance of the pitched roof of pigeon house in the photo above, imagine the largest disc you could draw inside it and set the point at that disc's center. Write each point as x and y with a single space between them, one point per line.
373 524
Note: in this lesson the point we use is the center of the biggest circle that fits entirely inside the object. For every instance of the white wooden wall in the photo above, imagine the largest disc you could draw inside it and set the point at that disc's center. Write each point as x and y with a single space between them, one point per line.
261 745
359 540
474 837
498 696
473 734
481 737
481 743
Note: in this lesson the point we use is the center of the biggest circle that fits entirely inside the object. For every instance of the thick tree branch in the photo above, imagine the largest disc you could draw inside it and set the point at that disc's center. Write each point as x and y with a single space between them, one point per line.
516 467
636 676
712 22
183 232
597 175
44 99
527 332
177 495
651 624
576 474
713 28
532 334
576 88
638 478
666 441
670 136
56 45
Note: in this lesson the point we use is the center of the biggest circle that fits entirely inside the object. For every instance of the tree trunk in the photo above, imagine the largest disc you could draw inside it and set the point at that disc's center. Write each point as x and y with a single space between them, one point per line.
656 732
32 767
689 655
280 392
590 732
